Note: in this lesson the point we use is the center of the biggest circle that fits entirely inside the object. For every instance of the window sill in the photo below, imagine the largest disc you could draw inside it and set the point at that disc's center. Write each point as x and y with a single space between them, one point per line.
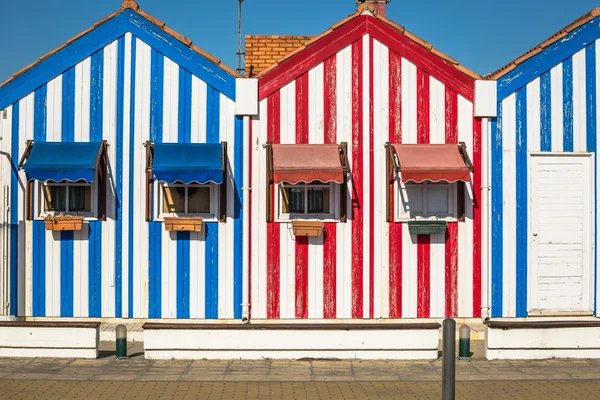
86 218
204 217
406 220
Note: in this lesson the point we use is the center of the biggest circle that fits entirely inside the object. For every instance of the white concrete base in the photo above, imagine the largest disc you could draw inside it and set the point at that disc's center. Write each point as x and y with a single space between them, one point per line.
542 343
43 340
409 344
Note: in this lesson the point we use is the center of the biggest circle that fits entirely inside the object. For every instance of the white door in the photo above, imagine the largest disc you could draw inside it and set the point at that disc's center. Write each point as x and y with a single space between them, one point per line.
561 233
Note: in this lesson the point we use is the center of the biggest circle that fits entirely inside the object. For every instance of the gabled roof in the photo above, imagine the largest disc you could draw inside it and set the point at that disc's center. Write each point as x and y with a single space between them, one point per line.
129 18
262 51
584 19
366 21
551 52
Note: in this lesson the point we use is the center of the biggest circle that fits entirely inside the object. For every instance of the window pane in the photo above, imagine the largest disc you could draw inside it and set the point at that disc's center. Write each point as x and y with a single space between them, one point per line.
437 200
318 200
414 201
292 200
174 199
55 198
199 200
80 198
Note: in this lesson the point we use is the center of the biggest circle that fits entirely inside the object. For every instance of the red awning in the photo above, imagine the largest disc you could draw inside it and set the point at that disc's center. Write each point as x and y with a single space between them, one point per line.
431 162
293 163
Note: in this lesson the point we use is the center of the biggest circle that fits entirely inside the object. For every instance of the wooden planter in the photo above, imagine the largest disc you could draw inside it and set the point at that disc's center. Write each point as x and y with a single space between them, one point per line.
64 224
307 228
176 224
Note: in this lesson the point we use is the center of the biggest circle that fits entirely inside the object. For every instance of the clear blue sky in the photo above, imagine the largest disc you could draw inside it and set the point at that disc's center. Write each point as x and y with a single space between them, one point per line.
482 35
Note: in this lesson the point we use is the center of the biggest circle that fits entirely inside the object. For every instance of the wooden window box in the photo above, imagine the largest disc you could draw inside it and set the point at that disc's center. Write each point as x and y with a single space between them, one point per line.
64 223
427 227
176 224
307 228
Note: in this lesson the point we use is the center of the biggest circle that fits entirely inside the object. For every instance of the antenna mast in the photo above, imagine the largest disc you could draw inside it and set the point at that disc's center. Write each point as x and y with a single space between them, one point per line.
239 52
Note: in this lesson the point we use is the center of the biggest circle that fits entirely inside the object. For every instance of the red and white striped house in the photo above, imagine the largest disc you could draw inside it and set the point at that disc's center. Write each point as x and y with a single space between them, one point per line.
365 82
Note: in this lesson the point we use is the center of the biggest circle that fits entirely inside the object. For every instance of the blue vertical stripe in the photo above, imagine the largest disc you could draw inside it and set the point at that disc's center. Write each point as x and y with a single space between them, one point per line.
545 112
497 215
211 254
591 142
522 203
66 274
184 135
14 212
66 238
213 112
39 269
132 194
238 222
68 106
119 179
183 274
157 74
568 104
39 242
95 227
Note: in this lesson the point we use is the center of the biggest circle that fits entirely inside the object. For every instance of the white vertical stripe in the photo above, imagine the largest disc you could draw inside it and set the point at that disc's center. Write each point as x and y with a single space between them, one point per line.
110 134
126 178
409 273
287 261
169 273
225 287
344 230
465 229
556 88
437 111
81 272
579 102
509 209
437 275
409 102
533 115
259 261
52 275
365 177
170 132
26 107
54 110
597 160
82 101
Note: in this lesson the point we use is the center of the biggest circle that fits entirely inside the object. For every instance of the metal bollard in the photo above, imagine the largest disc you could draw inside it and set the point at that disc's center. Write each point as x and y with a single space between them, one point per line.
464 343
121 336
449 359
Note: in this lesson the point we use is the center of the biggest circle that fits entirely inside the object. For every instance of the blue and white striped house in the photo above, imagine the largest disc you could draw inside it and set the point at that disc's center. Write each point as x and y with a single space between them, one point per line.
544 183
128 86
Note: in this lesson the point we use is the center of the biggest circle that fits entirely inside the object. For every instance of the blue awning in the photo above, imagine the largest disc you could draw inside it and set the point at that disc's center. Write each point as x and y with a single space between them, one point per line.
54 161
188 162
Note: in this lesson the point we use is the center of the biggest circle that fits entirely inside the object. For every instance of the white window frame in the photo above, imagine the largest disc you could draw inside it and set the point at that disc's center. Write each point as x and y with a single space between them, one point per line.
41 198
332 216
403 215
214 202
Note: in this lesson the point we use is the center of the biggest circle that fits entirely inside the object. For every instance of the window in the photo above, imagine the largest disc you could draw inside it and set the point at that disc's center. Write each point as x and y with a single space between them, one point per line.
67 198
179 199
426 200
306 200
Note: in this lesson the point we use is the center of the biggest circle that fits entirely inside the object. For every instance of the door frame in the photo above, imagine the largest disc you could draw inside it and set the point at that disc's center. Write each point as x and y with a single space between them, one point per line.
589 236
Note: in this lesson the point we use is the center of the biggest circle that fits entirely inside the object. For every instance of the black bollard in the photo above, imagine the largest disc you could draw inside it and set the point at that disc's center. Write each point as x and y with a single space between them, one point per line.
449 359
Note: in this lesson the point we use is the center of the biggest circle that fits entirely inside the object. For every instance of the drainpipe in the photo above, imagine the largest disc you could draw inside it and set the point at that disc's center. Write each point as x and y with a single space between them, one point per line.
246 224
485 221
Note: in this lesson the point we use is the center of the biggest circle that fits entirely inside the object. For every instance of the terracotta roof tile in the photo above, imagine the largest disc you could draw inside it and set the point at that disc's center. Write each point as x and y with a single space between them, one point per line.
131 5
263 50
548 42
371 10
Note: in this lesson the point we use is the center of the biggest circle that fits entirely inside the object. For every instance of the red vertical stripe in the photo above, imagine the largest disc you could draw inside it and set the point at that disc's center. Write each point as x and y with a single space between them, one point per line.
371 191
423 253
477 219
273 299
422 106
330 234
357 179
302 242
452 270
395 118
451 277
423 273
